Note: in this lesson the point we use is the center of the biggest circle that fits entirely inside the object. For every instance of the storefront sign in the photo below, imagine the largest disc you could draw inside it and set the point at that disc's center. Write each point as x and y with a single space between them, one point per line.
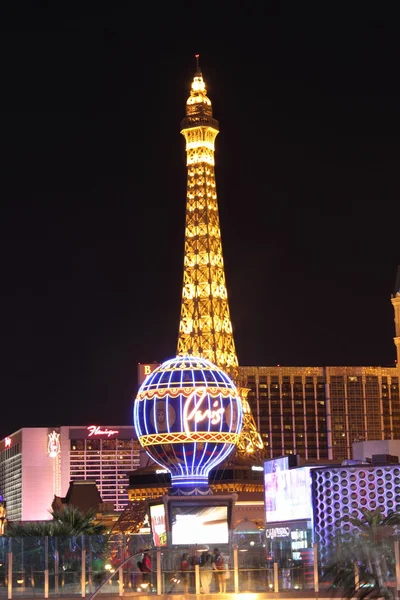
277 532
96 430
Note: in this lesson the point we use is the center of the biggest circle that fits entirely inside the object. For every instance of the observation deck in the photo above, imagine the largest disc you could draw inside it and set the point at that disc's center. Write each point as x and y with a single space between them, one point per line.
199 121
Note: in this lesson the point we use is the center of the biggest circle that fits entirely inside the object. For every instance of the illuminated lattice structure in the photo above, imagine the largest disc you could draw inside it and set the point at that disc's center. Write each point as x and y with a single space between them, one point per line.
342 492
205 327
188 417
132 519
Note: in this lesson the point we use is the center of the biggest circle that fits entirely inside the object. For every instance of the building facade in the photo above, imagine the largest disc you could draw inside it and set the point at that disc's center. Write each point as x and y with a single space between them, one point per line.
312 503
318 412
38 463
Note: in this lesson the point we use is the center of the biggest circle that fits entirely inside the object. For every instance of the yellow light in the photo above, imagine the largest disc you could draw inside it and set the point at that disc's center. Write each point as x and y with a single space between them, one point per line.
107 567
208 145
205 327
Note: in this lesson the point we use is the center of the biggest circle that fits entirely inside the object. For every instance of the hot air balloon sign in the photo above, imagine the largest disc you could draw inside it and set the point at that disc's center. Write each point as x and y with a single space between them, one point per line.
188 417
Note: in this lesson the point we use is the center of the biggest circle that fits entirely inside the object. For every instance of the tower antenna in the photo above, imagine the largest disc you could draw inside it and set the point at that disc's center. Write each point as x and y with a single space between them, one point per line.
197 56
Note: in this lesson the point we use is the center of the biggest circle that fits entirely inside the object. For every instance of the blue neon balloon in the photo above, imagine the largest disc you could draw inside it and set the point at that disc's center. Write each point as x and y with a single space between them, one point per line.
188 417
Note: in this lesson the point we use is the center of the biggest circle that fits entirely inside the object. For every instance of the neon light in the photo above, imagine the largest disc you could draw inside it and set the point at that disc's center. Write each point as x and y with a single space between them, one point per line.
53 445
96 430
219 437
7 442
196 415
188 417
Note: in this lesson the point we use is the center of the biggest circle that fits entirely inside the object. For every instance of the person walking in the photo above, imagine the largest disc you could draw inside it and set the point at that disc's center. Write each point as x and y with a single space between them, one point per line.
206 570
146 568
218 566
185 572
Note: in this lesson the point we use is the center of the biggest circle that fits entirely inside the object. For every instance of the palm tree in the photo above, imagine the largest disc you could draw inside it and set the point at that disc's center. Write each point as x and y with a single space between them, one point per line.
68 522
68 532
369 548
77 522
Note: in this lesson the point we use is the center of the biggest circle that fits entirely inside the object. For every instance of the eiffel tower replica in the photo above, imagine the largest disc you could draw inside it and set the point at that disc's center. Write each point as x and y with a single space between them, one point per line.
205 327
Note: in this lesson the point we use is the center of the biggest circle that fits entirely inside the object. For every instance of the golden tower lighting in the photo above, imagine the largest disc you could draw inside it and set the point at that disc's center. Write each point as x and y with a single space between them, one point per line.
205 327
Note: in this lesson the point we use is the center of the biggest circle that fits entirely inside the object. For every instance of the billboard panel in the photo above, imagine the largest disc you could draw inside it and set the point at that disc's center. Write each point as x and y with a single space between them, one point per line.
158 525
199 524
287 493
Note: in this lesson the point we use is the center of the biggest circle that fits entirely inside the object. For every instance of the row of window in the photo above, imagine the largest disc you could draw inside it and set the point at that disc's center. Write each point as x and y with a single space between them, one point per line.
105 444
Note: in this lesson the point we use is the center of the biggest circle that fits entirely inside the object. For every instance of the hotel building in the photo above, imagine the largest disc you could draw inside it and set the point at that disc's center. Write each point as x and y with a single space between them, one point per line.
318 412
38 463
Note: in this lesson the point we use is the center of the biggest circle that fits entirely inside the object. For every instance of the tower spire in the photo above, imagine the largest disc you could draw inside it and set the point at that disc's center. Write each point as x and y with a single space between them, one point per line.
396 307
205 327
197 56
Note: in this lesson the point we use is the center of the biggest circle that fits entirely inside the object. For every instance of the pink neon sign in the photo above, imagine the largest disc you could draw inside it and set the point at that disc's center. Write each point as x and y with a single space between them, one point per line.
7 442
96 430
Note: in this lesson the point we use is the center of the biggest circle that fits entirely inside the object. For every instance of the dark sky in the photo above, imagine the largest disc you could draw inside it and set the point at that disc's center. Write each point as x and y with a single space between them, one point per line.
93 184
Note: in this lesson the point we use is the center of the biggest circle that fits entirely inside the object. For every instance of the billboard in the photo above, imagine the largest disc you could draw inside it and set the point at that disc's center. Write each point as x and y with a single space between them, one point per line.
158 525
199 524
287 493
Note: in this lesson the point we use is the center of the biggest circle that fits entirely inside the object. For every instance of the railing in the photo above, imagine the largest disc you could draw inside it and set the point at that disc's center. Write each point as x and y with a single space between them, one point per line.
90 566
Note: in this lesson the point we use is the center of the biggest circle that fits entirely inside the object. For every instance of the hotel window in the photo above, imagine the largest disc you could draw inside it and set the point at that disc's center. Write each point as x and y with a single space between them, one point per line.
92 444
124 444
77 444
109 444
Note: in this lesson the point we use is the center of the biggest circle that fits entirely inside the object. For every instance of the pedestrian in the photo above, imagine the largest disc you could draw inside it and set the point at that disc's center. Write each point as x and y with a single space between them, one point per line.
185 572
218 566
206 570
146 568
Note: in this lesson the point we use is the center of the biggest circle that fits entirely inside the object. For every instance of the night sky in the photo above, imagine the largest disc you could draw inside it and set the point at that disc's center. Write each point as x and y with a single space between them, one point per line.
93 184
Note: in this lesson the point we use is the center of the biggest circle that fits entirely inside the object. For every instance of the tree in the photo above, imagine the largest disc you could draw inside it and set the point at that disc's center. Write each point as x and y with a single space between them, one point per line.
68 522
368 547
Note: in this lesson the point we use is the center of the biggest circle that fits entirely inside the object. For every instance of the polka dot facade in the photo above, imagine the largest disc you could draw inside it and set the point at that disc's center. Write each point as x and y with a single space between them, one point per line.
344 491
